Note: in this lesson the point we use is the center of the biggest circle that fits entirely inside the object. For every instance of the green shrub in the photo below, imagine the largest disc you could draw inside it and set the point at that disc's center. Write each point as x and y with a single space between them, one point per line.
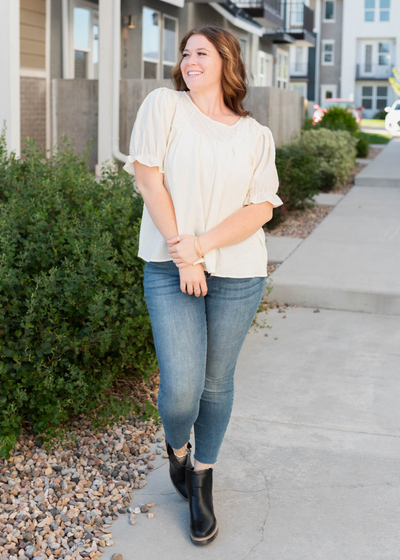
298 177
380 115
334 153
73 318
338 118
362 146
308 123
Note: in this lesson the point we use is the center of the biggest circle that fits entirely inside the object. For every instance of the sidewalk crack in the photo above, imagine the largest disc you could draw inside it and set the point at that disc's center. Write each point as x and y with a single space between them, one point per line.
267 491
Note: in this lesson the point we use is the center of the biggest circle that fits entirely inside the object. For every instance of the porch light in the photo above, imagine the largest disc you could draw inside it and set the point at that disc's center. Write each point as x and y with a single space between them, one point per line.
129 21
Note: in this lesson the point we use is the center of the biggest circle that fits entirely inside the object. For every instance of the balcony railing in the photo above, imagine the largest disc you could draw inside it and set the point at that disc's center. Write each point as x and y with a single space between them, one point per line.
274 5
298 17
373 71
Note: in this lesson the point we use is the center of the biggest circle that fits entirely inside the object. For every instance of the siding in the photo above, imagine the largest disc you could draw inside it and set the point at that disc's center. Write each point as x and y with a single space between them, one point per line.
33 34
33 110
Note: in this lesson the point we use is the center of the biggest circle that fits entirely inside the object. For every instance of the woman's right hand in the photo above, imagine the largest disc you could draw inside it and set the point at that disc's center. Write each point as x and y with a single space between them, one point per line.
193 280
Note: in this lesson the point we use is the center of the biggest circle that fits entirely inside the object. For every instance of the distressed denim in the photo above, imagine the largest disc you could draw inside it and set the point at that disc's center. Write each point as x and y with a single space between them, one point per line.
198 341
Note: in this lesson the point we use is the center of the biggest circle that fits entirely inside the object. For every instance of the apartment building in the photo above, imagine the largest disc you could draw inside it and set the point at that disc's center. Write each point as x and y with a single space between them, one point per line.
371 48
47 43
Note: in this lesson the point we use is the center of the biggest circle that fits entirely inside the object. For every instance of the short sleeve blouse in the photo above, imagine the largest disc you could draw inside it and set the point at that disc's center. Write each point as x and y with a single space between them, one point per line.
211 170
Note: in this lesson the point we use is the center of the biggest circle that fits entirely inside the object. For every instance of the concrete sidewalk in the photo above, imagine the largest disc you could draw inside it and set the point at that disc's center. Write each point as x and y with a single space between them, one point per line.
351 261
309 467
384 170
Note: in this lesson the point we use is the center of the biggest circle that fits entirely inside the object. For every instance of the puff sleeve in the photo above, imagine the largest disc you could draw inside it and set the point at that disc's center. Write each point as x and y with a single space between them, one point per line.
151 130
264 183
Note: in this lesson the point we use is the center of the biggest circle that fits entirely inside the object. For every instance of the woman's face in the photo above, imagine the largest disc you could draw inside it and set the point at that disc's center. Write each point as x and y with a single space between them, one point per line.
201 66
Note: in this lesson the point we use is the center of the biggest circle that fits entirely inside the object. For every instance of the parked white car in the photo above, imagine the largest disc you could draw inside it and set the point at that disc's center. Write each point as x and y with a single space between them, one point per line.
392 120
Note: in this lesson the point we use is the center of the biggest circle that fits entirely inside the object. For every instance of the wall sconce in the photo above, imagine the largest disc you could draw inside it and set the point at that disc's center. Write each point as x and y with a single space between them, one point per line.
129 21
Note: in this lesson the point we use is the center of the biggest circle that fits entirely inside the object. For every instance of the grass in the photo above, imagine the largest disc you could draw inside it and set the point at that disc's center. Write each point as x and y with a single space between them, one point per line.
374 138
373 123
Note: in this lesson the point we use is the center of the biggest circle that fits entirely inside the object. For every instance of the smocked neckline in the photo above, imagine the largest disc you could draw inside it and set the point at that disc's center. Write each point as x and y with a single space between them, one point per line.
209 118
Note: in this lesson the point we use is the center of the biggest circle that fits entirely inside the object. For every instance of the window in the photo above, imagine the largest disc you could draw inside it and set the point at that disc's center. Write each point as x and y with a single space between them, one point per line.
367 96
299 66
383 54
169 45
368 58
243 46
381 97
369 6
374 97
328 53
264 69
158 29
383 7
282 70
85 40
384 10
329 10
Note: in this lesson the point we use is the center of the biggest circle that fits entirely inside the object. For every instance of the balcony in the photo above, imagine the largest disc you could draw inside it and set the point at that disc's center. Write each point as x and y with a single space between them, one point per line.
367 71
299 22
267 13
298 70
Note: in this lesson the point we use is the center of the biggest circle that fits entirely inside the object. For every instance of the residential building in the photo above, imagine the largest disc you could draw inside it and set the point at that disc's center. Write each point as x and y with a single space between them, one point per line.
66 63
371 48
300 25
330 26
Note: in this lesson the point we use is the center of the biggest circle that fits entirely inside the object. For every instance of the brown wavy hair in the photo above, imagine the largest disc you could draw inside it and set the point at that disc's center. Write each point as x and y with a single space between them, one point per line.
234 79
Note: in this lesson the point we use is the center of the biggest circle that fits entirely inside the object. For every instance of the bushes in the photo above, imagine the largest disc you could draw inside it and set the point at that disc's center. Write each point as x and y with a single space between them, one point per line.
335 153
339 119
72 310
297 172
318 160
362 145
380 115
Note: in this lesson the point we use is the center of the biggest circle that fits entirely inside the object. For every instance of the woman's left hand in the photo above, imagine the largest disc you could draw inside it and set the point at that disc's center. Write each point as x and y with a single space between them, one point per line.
183 252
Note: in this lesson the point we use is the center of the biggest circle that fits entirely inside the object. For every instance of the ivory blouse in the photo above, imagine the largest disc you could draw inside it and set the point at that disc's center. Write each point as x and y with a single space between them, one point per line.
211 170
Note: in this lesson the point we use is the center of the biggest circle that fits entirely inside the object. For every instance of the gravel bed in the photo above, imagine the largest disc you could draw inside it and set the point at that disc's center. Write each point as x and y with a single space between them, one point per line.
60 503
299 223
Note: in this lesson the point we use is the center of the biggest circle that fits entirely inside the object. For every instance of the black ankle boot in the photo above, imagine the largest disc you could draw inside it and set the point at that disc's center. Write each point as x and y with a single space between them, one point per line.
203 524
177 469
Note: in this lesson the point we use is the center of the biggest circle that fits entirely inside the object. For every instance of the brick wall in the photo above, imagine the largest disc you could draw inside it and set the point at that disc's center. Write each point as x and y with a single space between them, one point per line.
33 111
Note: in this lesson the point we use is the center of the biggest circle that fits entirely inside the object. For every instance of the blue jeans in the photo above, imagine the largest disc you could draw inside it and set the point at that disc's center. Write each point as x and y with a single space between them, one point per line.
198 341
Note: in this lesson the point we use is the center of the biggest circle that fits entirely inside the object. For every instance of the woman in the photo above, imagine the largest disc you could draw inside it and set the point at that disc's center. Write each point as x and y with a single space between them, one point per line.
206 171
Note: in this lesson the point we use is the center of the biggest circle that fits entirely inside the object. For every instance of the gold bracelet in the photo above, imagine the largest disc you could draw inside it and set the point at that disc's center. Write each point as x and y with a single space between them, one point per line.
195 246
201 250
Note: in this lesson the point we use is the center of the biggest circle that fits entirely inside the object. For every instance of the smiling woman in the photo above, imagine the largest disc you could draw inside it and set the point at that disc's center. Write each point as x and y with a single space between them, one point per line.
206 170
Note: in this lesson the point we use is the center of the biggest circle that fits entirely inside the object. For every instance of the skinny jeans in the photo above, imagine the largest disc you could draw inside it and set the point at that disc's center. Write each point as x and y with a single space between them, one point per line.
197 342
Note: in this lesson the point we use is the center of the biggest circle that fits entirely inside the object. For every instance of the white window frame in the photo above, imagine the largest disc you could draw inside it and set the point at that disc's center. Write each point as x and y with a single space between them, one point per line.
325 87
264 79
323 61
369 10
281 81
377 97
145 58
160 62
333 20
245 53
381 10
377 11
371 97
167 62
94 15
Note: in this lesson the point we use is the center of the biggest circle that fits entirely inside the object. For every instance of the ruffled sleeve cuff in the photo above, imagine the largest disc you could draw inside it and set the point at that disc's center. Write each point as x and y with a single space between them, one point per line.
264 197
148 160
